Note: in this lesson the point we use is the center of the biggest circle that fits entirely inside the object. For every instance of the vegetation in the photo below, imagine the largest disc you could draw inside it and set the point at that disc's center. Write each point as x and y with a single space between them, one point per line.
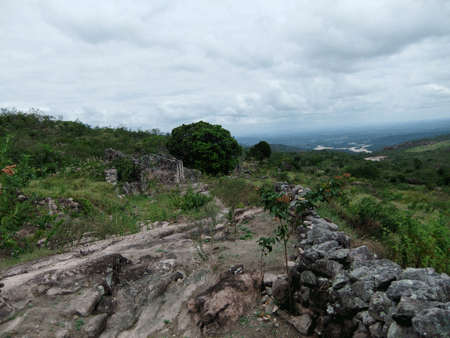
260 151
401 202
206 147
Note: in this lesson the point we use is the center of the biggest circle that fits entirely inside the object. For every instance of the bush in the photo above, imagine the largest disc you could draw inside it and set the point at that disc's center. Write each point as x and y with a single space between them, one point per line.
261 151
126 171
206 147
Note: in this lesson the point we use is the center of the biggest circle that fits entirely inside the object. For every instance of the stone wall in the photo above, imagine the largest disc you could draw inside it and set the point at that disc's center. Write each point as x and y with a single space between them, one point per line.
163 168
349 292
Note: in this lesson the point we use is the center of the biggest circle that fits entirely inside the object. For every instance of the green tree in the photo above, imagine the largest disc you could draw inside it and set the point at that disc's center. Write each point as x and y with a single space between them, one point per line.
206 147
261 151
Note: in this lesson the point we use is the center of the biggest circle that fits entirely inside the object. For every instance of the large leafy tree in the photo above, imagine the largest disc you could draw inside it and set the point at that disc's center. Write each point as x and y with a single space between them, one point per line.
261 150
206 147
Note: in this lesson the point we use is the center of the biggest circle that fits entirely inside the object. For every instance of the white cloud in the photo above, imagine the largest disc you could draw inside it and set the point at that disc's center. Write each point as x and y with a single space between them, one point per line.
252 65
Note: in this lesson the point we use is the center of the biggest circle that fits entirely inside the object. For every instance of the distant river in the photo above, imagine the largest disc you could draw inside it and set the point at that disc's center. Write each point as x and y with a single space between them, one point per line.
364 139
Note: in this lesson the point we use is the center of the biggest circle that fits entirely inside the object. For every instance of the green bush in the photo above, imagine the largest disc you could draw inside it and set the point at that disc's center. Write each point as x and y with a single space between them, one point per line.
126 172
206 147
192 201
261 151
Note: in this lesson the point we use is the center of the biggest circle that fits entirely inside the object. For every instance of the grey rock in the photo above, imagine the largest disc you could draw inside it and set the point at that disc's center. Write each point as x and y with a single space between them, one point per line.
408 288
96 325
280 291
86 303
364 289
380 306
310 256
302 323
432 323
346 301
340 280
308 278
107 305
410 307
361 253
305 294
399 331
327 267
338 255
381 272
365 318
441 282
6 311
376 330
63 334
326 246
269 279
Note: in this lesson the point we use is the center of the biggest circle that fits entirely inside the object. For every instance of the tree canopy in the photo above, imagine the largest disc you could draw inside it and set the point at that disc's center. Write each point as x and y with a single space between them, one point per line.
261 150
209 148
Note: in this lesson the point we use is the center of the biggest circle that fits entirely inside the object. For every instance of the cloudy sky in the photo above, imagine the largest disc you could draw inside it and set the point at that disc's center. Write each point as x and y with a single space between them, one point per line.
253 67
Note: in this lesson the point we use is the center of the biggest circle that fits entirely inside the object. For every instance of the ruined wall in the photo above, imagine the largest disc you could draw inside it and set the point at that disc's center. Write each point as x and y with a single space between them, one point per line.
344 292
161 167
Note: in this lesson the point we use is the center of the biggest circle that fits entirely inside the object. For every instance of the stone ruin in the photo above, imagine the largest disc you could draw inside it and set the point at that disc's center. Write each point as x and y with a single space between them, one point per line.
161 167
344 292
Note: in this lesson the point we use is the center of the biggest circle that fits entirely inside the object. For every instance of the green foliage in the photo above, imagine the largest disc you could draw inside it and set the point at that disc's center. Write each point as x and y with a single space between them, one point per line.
206 147
126 171
194 201
261 151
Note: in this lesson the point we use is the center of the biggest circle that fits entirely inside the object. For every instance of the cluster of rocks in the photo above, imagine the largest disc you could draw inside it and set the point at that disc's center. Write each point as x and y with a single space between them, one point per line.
343 292
162 168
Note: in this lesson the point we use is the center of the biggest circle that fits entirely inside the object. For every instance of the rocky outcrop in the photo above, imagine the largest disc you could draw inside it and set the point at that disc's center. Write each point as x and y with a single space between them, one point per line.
227 300
162 168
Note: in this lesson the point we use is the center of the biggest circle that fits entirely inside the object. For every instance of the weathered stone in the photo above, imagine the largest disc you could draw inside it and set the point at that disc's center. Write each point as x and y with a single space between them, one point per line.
269 279
302 323
107 305
365 318
361 253
347 302
338 255
326 247
399 331
305 294
308 278
87 302
364 289
280 291
410 307
381 272
96 325
376 330
6 311
408 288
227 300
63 334
340 280
327 268
310 256
432 323
380 306
441 282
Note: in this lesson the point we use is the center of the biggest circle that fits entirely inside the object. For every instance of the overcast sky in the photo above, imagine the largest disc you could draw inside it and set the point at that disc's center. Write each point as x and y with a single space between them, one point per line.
253 67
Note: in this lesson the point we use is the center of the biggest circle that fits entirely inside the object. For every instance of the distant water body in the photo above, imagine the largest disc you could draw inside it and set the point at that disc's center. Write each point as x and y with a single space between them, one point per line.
365 139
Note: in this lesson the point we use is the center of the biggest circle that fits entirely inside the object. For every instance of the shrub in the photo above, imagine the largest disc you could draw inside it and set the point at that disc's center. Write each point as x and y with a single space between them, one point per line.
206 147
126 172
261 151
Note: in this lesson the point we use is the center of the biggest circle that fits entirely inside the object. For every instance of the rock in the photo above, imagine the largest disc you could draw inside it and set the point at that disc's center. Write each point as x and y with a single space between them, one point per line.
89 299
269 279
381 272
227 300
433 323
308 278
441 282
410 307
327 268
280 291
376 330
361 253
96 325
107 305
399 331
6 311
380 306
302 323
408 288
338 255
63 334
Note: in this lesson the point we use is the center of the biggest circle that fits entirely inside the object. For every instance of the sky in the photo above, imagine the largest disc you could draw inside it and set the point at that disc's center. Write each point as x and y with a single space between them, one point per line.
253 67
